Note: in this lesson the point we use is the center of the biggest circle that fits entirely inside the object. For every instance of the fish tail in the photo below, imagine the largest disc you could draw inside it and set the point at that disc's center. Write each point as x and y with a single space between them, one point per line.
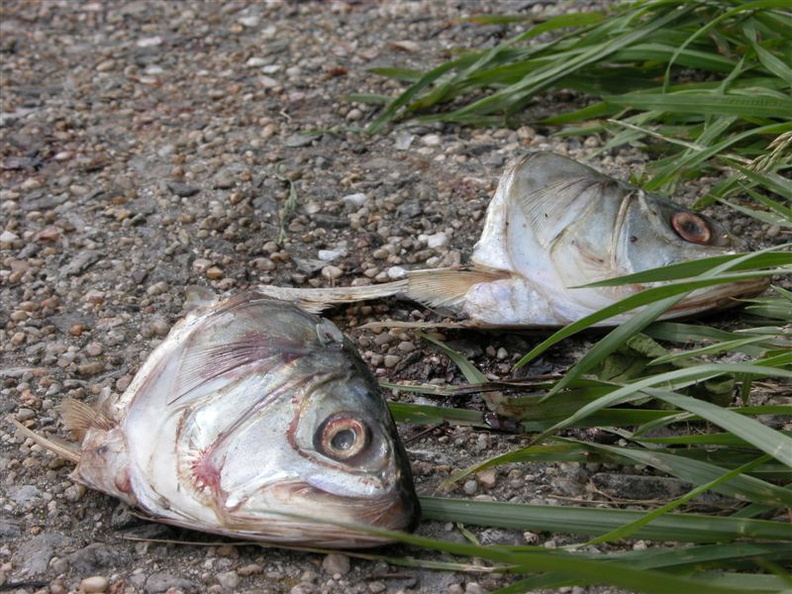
317 300
64 449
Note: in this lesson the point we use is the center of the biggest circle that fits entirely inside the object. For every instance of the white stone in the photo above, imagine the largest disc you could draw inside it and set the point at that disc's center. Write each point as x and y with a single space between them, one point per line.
436 240
396 272
356 200
8 237
149 41
431 140
330 255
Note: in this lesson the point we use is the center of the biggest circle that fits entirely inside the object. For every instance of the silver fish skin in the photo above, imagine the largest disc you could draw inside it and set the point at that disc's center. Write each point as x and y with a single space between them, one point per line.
553 225
257 420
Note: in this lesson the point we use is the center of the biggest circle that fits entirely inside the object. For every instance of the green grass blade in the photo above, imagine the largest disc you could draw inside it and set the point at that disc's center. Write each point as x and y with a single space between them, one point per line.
472 375
421 414
774 257
695 159
627 530
593 521
772 442
746 488
713 349
513 96
680 378
683 559
734 105
687 333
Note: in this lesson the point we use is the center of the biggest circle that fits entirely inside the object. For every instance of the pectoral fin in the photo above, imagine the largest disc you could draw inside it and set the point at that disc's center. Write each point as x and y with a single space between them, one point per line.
446 287
79 417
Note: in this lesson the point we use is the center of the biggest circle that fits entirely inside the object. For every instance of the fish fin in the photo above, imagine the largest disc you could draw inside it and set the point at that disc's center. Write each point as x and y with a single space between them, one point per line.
78 417
63 448
317 300
447 287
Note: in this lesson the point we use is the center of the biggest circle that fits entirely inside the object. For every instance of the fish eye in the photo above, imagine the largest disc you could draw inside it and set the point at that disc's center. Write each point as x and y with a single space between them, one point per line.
691 227
342 437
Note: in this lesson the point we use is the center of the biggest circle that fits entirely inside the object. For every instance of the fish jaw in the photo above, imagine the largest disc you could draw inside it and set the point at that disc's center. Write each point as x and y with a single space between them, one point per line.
300 513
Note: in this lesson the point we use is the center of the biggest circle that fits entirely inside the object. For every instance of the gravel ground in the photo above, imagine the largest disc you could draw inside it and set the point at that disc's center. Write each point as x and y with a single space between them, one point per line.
146 146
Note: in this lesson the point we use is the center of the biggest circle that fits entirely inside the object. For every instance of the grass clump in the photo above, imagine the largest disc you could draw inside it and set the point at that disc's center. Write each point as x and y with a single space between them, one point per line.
705 85
724 449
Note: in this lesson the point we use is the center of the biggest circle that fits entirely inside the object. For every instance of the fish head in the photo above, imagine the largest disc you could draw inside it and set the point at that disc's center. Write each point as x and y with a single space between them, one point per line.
672 234
560 224
261 421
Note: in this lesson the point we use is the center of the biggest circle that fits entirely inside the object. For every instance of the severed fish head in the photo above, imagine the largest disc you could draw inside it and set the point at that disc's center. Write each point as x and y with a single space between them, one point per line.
253 419
555 224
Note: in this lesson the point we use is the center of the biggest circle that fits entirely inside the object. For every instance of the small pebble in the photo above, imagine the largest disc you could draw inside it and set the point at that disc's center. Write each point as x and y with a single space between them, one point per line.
250 21
437 240
182 190
470 487
75 492
229 580
329 255
214 273
355 200
354 115
94 297
250 569
487 478
96 583
474 588
336 564
200 265
157 289
431 140
396 272
332 272
391 360
7 239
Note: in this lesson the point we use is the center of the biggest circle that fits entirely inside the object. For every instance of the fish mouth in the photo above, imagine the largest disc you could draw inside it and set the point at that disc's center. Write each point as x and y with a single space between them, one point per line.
309 516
